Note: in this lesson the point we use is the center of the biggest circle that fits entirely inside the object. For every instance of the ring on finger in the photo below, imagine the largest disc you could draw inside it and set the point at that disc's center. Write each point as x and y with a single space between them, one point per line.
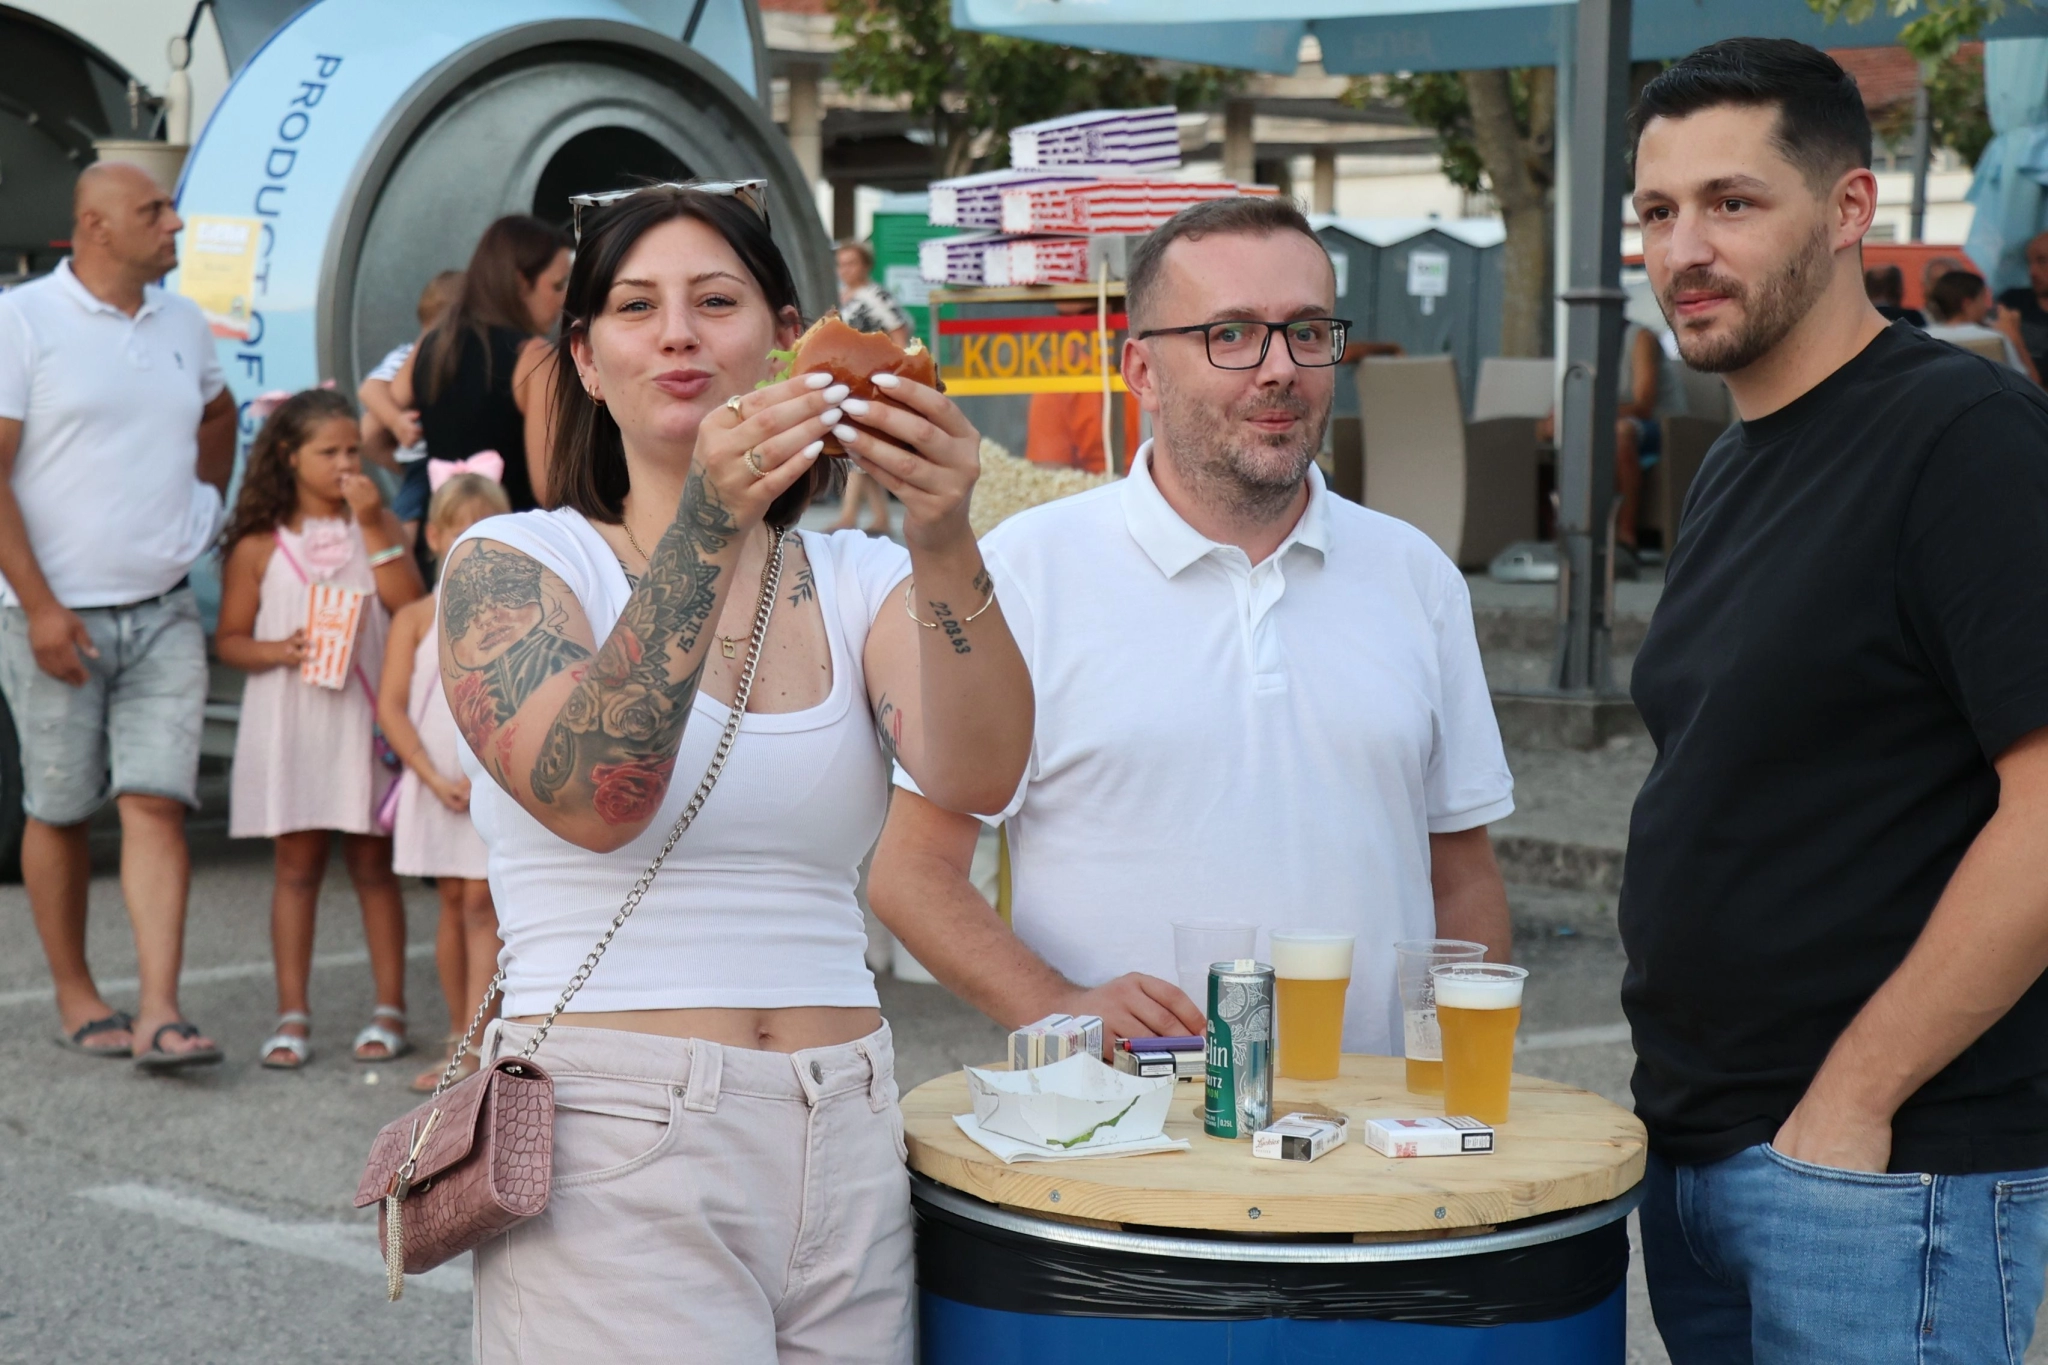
734 403
753 461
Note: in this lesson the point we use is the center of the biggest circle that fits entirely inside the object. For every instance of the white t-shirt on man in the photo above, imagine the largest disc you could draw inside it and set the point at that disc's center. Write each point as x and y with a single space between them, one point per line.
107 474
1272 743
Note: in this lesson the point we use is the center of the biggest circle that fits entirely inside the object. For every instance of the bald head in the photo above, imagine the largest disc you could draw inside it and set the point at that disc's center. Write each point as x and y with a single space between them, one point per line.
122 224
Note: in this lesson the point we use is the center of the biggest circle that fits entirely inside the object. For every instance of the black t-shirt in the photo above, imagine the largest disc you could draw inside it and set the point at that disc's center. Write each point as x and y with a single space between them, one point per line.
1854 626
475 409
2033 324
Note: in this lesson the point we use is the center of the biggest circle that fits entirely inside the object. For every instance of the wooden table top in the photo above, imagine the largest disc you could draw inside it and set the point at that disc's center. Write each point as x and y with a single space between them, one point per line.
1561 1148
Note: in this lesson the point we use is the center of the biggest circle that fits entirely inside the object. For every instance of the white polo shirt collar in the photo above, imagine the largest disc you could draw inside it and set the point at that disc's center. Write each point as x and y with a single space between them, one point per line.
1171 544
75 290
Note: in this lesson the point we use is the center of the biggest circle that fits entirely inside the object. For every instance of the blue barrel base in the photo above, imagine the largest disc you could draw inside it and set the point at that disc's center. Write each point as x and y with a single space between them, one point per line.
952 1333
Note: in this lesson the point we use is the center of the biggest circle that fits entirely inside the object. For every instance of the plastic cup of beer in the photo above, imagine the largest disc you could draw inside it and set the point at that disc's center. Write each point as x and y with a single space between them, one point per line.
1421 1041
1199 942
1311 972
1478 1008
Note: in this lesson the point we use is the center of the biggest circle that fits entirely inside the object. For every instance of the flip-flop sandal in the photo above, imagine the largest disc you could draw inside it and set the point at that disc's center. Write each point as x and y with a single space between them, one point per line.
117 1022
301 1049
394 1043
157 1060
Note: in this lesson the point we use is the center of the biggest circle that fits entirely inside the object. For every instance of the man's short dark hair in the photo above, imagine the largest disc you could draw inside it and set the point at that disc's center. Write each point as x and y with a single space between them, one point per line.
1952 293
1885 284
1248 215
1823 128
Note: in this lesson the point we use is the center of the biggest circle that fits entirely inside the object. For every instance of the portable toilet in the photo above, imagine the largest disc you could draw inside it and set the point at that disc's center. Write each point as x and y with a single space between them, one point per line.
1431 285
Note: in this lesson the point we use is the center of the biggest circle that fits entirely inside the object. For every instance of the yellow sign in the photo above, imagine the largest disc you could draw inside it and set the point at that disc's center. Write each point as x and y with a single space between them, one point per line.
1029 355
217 271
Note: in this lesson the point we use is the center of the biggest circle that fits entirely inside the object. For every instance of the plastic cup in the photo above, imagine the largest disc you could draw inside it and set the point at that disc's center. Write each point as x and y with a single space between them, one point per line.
1199 942
1478 1007
1311 972
1421 1042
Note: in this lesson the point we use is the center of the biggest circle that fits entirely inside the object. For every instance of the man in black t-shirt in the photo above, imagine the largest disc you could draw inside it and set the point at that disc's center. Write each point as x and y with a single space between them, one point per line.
1835 903
2027 302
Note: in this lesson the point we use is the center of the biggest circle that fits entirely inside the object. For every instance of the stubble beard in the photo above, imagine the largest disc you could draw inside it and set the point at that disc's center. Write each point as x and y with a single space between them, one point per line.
1247 476
1770 310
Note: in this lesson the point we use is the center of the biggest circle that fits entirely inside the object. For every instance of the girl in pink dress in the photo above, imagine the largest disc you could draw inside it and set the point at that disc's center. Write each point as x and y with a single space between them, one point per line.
431 835
306 761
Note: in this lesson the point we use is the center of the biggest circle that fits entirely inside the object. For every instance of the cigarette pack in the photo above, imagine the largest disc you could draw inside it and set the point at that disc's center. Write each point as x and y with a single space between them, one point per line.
332 615
1450 1136
1300 1137
1145 1062
1054 1039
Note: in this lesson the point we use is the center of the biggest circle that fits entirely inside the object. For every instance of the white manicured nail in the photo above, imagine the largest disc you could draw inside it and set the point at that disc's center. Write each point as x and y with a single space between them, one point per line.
829 416
887 381
845 434
818 380
857 406
810 452
836 392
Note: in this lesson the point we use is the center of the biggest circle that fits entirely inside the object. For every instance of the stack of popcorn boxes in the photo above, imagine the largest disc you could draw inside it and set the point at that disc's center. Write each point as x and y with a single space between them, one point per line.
1072 179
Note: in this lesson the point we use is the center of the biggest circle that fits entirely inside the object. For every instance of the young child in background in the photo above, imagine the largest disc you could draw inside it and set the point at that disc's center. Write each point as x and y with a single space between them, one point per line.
432 835
391 434
306 759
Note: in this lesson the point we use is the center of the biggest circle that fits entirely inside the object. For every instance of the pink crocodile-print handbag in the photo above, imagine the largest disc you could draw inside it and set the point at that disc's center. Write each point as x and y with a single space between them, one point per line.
475 1160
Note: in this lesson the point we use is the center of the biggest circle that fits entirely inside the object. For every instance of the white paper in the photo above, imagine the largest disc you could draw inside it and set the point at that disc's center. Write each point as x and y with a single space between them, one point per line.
1070 1105
1010 1151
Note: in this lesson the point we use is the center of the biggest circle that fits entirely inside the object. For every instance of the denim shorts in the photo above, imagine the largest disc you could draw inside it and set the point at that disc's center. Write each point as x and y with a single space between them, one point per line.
132 727
1759 1259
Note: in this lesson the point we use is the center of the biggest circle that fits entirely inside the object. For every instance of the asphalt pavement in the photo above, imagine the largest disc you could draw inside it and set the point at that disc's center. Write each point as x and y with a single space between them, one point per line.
207 1218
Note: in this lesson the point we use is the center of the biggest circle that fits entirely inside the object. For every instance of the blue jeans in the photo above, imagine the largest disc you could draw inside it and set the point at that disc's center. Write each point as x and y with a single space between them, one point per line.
1760 1258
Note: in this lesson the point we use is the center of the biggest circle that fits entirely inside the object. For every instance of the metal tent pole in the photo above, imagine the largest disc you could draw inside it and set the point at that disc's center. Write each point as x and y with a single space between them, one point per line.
1593 299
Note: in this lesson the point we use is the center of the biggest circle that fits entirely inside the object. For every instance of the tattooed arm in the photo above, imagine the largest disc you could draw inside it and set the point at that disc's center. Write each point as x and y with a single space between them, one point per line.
584 735
952 698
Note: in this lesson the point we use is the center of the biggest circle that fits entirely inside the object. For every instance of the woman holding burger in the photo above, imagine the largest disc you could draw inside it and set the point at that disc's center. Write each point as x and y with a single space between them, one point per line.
727 1167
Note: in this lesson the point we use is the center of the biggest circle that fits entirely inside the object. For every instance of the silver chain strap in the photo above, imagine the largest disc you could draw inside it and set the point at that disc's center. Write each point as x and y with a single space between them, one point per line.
771 580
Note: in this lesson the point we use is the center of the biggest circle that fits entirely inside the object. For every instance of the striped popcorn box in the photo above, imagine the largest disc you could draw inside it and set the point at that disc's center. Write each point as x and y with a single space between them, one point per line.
332 615
955 260
1112 205
1131 139
1038 260
975 201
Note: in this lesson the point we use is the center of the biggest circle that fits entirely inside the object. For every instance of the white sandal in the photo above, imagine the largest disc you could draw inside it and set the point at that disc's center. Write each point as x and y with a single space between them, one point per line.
394 1043
301 1049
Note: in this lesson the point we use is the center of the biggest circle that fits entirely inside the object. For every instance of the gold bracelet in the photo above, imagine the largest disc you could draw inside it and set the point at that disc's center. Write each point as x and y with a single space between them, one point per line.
910 605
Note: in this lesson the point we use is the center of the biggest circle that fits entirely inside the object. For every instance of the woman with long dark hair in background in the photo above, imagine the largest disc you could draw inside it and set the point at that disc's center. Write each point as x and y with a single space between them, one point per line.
479 376
728 1177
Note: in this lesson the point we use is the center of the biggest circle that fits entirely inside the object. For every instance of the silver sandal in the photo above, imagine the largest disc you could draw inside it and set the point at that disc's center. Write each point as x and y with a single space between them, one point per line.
394 1043
301 1049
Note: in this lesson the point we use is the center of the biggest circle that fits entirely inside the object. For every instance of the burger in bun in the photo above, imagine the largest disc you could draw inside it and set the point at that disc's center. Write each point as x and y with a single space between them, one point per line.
854 358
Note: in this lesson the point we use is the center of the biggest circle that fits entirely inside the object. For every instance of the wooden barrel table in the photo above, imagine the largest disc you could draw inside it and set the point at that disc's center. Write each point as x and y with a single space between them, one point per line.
1211 1256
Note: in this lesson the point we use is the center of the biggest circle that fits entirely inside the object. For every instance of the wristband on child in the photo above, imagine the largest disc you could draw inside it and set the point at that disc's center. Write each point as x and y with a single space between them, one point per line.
386 555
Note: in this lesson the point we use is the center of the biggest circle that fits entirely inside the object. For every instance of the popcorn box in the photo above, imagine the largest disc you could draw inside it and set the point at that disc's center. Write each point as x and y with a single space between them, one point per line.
332 615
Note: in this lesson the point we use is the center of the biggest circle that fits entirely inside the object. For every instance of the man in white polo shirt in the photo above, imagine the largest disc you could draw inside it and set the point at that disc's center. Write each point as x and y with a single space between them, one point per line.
117 436
1256 701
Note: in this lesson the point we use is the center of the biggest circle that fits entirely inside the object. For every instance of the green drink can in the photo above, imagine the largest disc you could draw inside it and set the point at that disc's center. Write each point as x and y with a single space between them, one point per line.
1238 1098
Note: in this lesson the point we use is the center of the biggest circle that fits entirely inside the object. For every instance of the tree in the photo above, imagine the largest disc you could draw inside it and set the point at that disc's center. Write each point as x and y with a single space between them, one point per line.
1934 35
1496 130
975 87
1956 116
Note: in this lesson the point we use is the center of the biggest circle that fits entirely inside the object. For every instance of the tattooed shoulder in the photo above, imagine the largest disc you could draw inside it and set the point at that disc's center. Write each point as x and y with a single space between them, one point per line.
504 621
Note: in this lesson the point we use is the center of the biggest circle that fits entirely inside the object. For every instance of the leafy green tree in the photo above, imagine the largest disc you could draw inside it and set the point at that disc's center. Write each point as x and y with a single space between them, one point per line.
1933 34
975 87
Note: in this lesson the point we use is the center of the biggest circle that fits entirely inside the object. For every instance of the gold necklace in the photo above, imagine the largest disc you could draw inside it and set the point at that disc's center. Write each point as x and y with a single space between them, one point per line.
728 645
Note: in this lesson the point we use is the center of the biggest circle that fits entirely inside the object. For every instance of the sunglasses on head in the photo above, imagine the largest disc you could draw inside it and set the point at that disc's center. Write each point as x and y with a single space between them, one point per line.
752 193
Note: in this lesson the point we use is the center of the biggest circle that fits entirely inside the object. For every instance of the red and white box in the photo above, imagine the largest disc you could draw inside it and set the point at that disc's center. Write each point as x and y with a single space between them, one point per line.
1111 205
332 616
1453 1135
1036 260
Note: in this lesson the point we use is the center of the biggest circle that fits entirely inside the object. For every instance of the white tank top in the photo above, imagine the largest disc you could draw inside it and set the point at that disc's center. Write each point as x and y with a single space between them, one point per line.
755 909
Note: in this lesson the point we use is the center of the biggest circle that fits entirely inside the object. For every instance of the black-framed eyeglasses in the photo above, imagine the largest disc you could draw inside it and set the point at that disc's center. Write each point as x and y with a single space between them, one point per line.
1241 344
752 193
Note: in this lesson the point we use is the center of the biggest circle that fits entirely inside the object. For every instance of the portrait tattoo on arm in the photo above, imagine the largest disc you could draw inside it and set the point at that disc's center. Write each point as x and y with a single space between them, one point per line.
615 736
505 623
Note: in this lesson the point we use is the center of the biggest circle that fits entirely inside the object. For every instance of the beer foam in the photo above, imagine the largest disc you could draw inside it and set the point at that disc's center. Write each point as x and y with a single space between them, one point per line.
1477 991
1312 957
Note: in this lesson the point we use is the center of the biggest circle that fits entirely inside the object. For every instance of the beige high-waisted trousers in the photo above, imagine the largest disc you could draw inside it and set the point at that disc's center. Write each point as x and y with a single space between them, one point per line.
711 1204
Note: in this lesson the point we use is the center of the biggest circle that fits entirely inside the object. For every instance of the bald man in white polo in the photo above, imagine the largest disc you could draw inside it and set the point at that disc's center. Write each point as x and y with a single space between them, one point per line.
117 436
1255 700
